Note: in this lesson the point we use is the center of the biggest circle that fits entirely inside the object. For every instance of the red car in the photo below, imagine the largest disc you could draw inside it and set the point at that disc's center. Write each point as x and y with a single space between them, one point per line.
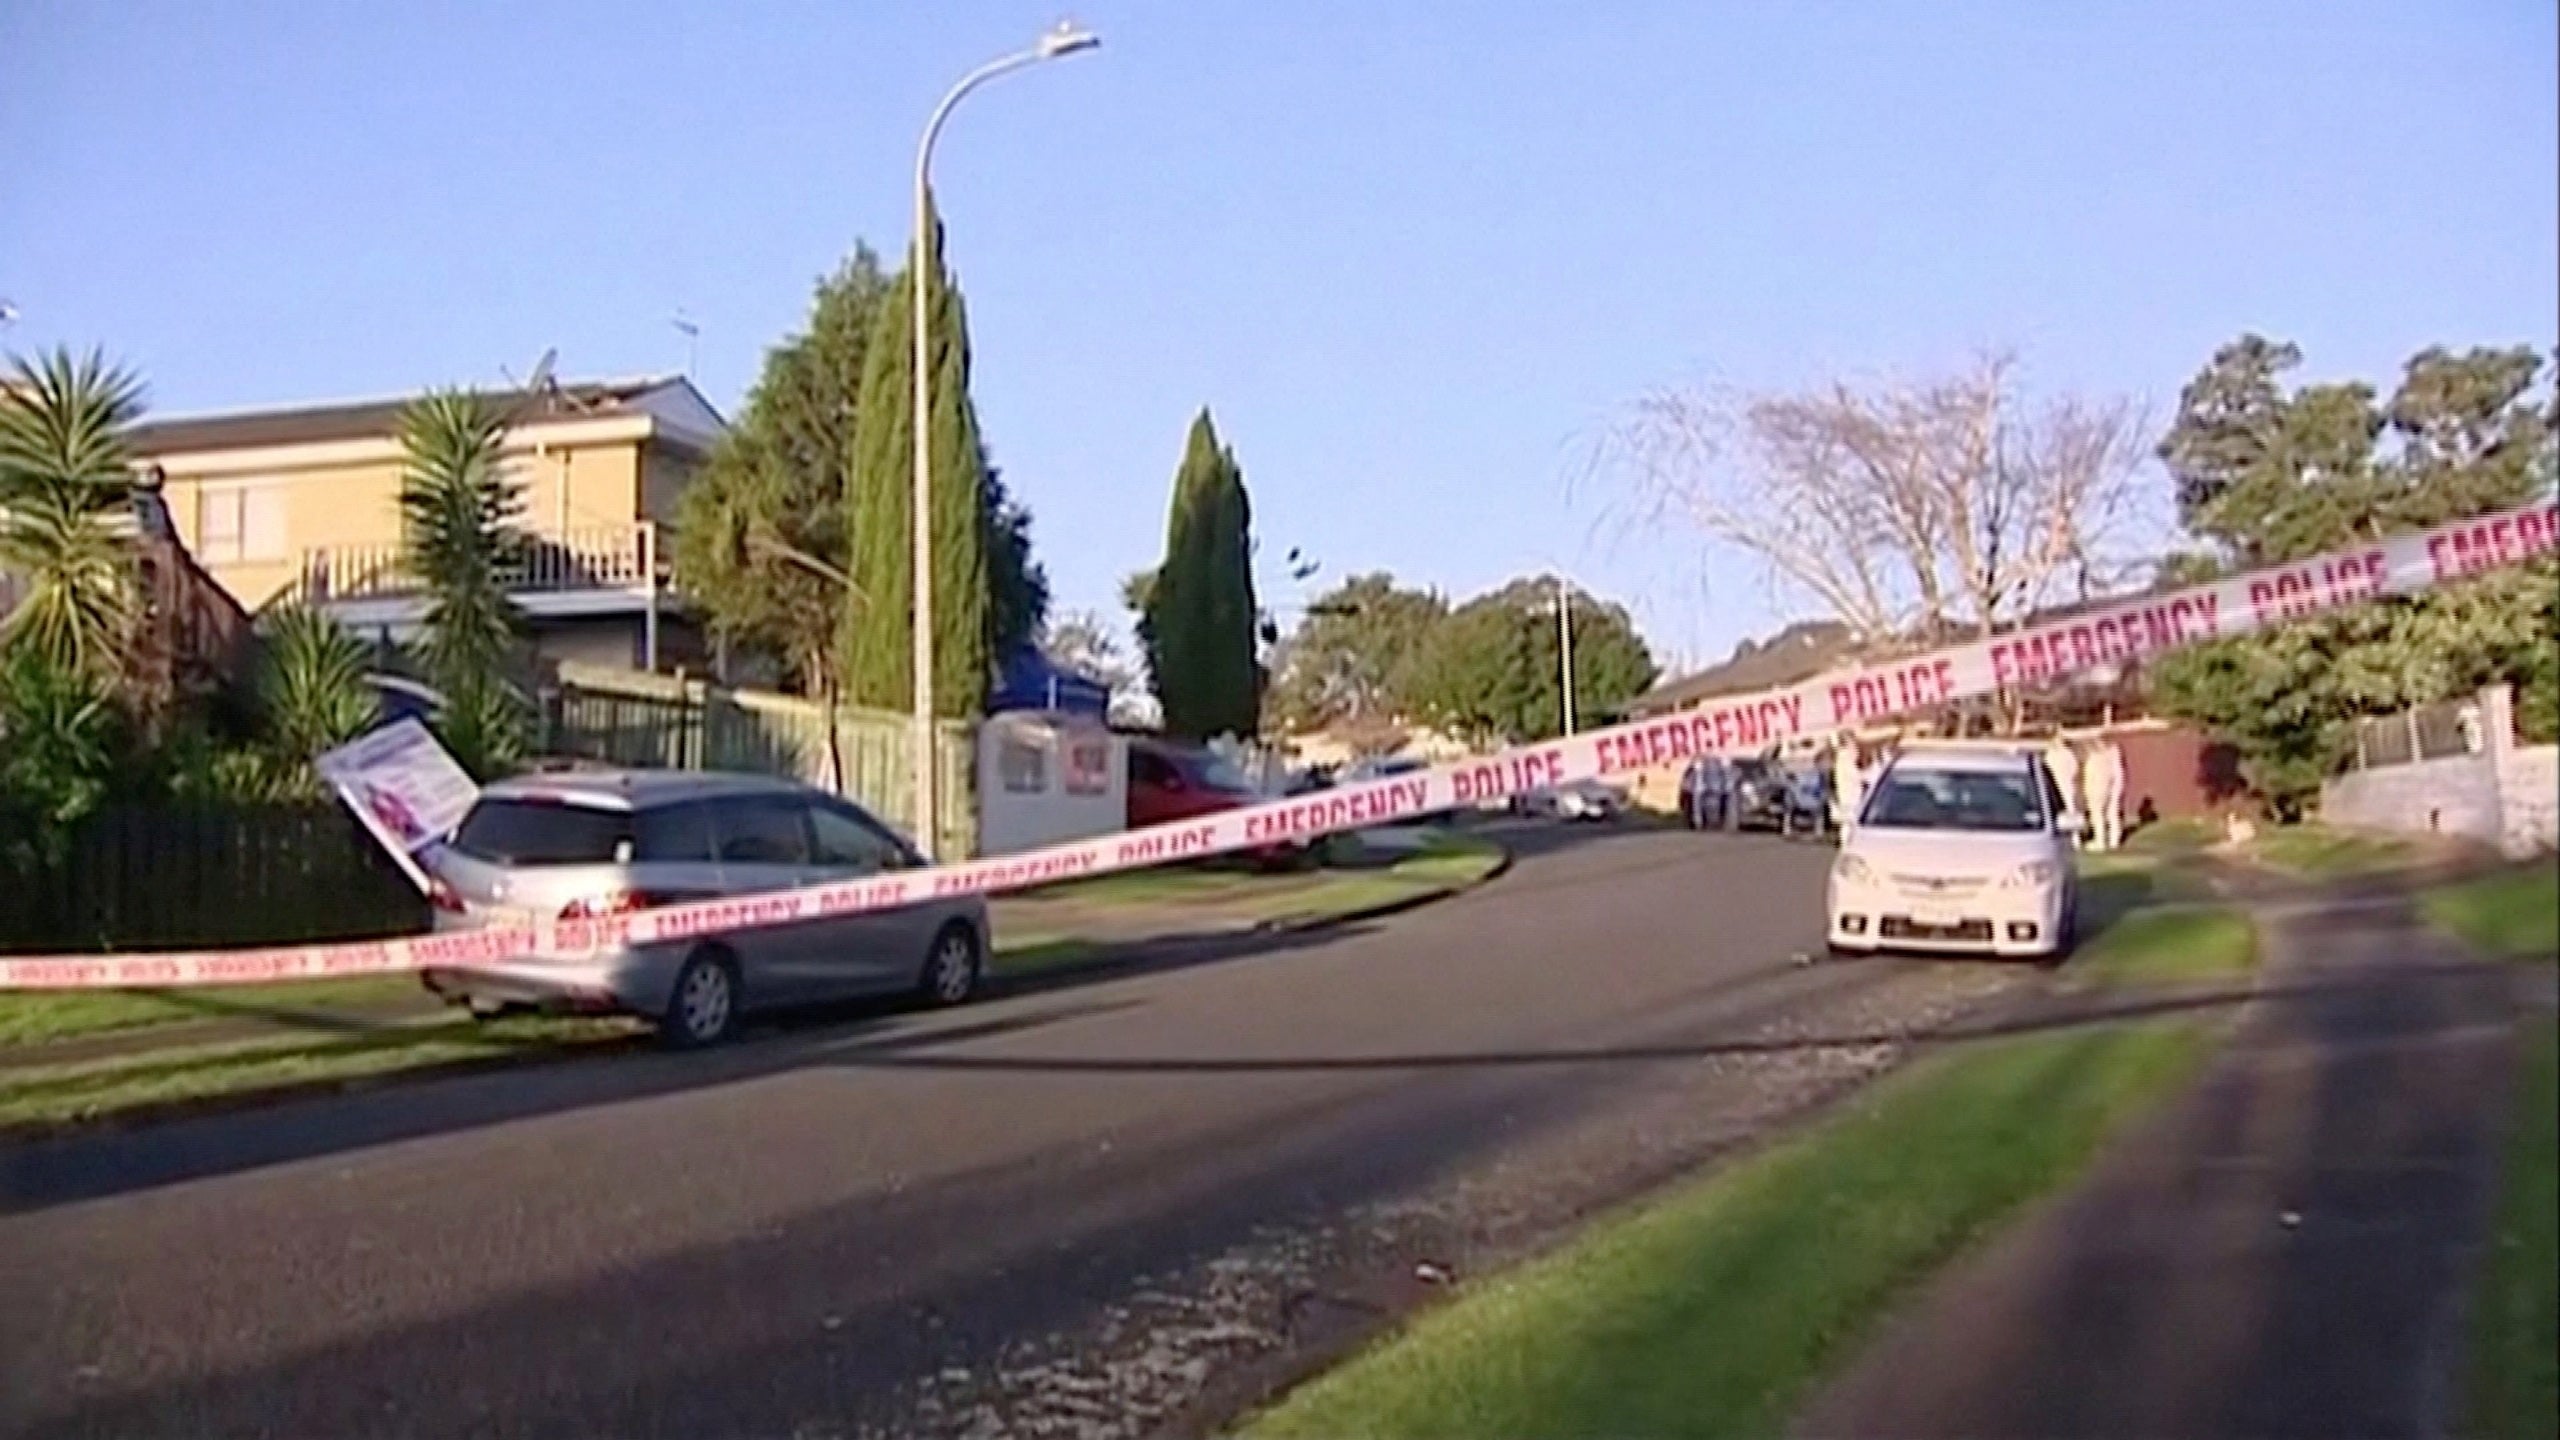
1170 782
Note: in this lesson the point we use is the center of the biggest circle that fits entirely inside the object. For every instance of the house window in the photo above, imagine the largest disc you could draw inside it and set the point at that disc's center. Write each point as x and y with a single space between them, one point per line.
239 522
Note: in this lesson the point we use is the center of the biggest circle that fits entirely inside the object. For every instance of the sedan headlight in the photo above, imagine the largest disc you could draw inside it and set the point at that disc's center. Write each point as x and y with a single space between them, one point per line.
1850 870
2034 875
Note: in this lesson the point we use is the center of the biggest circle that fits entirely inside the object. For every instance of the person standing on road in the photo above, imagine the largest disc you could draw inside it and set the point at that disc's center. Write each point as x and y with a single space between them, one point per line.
2102 786
1848 783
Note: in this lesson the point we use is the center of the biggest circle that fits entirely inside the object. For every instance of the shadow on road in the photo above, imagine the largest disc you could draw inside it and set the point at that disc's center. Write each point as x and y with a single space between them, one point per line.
61 1170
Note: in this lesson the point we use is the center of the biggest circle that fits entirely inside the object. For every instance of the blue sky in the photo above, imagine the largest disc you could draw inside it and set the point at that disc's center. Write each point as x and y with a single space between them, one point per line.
1412 254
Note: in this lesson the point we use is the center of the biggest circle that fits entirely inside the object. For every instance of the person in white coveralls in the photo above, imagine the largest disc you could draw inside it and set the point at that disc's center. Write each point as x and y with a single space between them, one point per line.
2063 764
1848 783
2102 789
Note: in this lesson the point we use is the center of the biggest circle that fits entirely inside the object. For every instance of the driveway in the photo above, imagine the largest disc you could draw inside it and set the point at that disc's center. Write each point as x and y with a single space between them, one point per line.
1097 1209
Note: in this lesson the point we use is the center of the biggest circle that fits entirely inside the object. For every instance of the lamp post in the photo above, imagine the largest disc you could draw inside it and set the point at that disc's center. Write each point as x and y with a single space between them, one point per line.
1564 645
1065 40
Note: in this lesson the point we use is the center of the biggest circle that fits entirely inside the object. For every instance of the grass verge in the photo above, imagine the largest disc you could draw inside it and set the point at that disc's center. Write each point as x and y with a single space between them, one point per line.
2319 852
1449 862
38 1096
2511 913
1170 884
2160 947
1032 954
39 1016
2515 1325
1713 1310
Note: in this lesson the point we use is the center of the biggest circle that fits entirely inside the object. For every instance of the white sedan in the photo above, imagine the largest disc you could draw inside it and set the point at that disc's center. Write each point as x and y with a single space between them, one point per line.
1576 800
1958 849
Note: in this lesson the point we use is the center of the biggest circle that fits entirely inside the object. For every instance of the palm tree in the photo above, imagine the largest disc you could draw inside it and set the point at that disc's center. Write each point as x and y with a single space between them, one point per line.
312 688
458 510
63 471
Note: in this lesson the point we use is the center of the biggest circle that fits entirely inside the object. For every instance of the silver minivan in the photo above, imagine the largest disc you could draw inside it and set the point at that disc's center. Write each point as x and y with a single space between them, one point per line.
584 845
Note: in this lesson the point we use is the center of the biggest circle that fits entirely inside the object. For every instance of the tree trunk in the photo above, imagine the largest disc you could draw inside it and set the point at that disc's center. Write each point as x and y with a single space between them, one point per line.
835 742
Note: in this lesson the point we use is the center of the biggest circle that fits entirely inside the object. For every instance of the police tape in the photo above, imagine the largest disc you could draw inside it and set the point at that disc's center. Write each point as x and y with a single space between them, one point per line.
2040 654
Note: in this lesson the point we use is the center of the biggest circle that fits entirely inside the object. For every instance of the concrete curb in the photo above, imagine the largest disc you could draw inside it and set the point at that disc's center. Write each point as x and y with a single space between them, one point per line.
1108 960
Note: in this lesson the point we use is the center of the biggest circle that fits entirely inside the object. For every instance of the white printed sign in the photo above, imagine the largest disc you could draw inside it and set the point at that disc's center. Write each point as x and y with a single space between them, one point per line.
405 787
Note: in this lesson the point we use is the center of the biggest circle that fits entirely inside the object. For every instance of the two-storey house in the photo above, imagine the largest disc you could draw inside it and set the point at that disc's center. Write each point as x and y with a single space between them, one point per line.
304 504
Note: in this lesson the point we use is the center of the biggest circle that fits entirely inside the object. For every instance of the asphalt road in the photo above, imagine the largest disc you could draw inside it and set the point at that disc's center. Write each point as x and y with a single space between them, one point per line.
1107 1208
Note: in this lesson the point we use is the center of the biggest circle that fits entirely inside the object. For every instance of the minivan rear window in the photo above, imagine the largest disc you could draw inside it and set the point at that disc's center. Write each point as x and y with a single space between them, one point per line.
535 832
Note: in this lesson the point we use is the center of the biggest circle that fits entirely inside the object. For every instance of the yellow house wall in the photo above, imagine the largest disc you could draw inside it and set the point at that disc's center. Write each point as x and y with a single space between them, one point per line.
582 488
330 506
323 506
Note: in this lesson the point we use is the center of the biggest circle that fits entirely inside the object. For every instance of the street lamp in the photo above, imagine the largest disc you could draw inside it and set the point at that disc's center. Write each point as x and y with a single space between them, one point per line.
1065 40
1564 645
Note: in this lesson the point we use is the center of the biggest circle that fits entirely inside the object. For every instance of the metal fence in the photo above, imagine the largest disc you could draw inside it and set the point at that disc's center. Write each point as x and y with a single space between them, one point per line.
626 717
2427 732
159 878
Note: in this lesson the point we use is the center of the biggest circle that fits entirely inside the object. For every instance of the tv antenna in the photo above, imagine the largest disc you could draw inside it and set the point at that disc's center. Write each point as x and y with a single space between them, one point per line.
692 334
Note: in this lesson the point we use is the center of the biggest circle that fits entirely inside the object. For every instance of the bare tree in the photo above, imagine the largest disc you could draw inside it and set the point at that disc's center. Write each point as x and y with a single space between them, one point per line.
1082 641
1909 512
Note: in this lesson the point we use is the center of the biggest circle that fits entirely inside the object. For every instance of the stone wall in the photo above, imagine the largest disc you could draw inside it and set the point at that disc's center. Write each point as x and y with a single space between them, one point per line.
2529 784
2454 796
2505 794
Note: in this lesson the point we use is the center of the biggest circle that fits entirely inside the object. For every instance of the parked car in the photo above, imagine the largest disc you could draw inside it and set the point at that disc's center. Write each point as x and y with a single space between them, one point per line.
1769 794
1576 800
583 845
1380 769
1169 782
1706 794
1964 850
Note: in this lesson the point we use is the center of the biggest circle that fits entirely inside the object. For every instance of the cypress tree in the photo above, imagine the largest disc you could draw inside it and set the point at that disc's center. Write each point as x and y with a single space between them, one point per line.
1199 618
878 664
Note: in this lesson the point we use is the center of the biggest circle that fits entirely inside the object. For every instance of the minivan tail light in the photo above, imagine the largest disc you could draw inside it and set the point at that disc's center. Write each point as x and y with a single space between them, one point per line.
444 897
617 902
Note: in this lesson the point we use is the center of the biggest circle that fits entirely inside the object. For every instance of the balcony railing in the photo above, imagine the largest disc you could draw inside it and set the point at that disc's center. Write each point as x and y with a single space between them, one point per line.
613 557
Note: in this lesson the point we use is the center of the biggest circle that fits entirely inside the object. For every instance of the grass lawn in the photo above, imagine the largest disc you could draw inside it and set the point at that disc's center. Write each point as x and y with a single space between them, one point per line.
2186 836
2321 852
37 1016
2514 912
2165 946
2515 1323
2119 882
1712 1311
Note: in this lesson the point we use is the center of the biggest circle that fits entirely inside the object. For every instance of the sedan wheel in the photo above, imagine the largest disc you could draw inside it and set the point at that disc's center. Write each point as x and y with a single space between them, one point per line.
951 970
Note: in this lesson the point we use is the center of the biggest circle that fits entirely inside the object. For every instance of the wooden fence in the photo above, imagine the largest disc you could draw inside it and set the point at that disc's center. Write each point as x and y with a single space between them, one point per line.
161 878
628 717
